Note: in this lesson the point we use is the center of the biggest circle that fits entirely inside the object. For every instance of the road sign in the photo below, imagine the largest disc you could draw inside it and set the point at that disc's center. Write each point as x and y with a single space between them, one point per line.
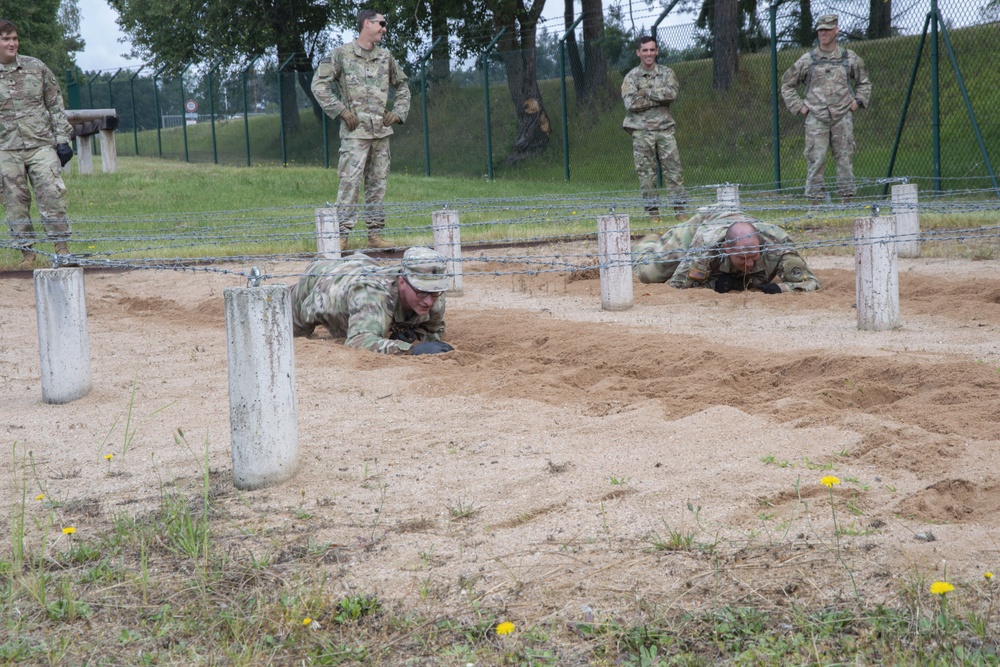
190 106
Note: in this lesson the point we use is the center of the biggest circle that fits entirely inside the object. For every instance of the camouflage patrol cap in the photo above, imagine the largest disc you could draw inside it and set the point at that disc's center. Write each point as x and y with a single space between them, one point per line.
826 22
426 270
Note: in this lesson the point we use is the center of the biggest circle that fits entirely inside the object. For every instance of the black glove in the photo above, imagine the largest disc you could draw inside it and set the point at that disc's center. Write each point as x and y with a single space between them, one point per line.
431 347
771 288
65 154
727 282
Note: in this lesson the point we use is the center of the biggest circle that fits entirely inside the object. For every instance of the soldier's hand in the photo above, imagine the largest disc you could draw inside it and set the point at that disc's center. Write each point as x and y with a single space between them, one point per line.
406 335
350 119
388 118
431 347
65 153
660 95
804 110
771 288
727 282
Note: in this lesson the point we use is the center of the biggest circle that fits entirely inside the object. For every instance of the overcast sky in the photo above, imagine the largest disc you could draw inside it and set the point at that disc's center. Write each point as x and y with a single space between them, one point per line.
104 50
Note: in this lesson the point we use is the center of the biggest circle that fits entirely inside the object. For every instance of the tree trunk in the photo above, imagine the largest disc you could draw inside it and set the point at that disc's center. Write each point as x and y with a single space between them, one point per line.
573 56
725 56
533 126
879 19
804 31
595 64
441 59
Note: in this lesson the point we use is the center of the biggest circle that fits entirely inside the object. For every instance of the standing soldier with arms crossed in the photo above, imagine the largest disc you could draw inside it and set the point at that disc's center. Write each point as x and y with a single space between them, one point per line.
647 92
828 103
363 73
34 146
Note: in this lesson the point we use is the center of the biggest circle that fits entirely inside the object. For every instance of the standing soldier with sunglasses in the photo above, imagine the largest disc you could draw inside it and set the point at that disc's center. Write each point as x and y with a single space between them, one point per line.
362 72
387 309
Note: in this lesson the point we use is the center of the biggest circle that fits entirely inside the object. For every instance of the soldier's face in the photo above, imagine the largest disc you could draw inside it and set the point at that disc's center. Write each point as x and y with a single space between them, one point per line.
827 38
647 54
744 257
375 28
414 300
8 47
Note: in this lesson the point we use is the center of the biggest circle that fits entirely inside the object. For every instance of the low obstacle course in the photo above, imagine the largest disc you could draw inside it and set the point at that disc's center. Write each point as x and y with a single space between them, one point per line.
258 322
86 123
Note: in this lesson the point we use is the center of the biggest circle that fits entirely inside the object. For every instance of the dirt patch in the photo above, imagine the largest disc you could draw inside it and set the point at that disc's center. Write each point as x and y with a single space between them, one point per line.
554 458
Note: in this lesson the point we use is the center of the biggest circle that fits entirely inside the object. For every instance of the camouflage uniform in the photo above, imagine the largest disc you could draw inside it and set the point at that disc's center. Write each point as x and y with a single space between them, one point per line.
32 122
827 77
647 95
692 255
362 79
358 300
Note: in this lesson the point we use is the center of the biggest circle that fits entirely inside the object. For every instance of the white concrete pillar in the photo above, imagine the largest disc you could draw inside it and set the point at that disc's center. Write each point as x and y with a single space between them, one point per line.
328 233
876 273
728 197
85 155
614 256
904 207
109 152
448 242
263 415
63 342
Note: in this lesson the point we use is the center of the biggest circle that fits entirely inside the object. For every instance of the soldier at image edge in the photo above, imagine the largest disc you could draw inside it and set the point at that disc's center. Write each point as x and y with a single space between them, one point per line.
34 146
647 92
828 103
363 72
388 309
724 250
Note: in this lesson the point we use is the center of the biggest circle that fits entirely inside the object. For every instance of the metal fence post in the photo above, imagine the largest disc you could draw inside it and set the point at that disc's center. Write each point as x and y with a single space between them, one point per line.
184 125
246 118
562 90
423 103
485 61
211 111
281 110
135 123
159 117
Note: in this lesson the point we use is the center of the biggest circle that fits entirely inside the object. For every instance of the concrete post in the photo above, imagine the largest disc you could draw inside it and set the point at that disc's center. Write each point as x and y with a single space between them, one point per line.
904 207
728 197
328 233
614 255
85 156
109 152
63 342
876 273
263 415
448 242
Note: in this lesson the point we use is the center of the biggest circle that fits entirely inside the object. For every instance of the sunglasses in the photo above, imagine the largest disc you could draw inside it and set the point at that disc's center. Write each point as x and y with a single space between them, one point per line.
420 294
381 23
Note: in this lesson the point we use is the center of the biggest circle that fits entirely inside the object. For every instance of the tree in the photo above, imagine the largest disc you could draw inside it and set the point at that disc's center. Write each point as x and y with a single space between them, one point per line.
176 33
516 49
590 76
879 19
48 30
734 27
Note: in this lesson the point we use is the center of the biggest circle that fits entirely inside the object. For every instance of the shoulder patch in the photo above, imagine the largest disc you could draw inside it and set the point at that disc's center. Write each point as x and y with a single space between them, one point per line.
697 274
325 59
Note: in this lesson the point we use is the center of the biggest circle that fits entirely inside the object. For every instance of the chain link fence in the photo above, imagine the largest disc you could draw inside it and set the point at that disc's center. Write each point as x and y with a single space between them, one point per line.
934 116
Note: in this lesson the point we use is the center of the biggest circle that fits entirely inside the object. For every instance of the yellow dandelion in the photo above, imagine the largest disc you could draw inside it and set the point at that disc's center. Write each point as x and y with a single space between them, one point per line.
941 587
307 621
505 628
988 575
108 457
830 481
41 496
69 530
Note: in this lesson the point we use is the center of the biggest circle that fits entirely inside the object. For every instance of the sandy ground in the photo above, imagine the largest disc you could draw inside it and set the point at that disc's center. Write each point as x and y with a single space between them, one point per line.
538 468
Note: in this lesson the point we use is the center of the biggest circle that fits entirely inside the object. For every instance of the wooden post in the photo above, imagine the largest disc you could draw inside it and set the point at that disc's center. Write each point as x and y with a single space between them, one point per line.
448 242
876 273
614 255
109 152
728 197
85 156
328 233
63 341
263 417
904 207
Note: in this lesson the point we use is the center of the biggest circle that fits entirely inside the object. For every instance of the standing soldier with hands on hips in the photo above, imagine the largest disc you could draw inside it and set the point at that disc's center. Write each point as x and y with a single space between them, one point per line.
34 146
828 103
647 91
363 72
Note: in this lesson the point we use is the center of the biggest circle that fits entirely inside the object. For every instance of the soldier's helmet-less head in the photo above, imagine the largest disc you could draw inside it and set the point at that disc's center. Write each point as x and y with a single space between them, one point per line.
826 22
426 270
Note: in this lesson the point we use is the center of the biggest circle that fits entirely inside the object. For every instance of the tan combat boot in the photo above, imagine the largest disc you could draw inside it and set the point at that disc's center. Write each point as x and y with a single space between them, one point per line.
64 258
679 213
375 240
27 259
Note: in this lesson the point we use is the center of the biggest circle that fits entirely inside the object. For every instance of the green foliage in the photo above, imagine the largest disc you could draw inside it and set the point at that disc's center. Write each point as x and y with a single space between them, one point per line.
47 29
